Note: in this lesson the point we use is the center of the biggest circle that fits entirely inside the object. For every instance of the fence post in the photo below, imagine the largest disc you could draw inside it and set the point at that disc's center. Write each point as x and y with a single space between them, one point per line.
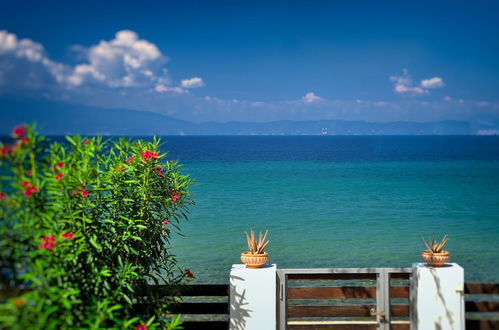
437 297
252 298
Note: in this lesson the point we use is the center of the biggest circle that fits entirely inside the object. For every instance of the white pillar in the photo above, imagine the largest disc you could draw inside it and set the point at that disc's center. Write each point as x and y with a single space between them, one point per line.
437 297
252 298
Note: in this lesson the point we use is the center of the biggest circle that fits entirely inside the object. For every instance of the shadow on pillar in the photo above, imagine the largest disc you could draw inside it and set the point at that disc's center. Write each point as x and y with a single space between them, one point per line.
238 313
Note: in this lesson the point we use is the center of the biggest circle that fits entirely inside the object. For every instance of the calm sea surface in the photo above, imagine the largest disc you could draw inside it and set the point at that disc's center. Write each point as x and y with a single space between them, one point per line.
331 201
340 201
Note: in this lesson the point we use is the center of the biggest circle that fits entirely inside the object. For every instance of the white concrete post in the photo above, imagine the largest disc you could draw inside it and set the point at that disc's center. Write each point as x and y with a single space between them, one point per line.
437 297
252 298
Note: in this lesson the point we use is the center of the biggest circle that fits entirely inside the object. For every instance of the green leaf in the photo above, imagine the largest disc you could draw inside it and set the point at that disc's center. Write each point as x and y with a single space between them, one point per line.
71 140
94 243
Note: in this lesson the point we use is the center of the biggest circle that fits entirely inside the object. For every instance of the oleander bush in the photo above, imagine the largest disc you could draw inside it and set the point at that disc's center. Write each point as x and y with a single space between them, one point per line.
85 227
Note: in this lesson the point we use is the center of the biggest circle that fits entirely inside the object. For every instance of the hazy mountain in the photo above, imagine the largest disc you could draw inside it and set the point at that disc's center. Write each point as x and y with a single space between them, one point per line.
60 118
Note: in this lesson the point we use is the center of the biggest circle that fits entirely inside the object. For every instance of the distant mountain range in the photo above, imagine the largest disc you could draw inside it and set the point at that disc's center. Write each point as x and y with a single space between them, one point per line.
58 119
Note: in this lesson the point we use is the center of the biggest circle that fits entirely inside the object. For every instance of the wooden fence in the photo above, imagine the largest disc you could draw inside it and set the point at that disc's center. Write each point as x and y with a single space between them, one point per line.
343 297
482 305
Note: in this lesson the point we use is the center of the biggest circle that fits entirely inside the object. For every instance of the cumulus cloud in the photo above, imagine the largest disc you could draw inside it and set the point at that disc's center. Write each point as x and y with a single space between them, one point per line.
310 97
404 84
192 83
125 62
434 82
29 56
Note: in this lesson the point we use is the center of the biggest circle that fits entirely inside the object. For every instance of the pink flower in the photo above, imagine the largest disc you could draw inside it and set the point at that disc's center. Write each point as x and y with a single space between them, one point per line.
18 131
160 170
24 140
5 150
129 160
48 242
68 235
86 142
141 327
2 195
29 191
59 176
165 222
174 195
82 191
60 164
188 273
146 155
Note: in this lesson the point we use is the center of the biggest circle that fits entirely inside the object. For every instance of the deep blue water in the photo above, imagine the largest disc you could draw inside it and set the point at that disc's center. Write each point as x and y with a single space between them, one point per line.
333 148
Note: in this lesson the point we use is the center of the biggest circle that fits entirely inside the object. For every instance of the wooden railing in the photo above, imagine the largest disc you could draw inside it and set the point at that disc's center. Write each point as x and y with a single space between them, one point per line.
482 305
202 306
345 297
344 301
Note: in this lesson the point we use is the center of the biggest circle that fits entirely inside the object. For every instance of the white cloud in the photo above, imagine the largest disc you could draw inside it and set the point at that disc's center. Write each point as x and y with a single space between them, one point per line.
31 58
434 82
311 98
192 83
403 84
402 89
165 89
124 62
447 98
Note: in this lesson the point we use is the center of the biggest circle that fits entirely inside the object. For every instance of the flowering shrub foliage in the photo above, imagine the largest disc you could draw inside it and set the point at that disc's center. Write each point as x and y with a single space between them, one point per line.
84 228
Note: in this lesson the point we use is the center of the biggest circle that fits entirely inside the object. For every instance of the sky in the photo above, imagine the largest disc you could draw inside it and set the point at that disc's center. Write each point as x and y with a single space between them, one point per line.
257 60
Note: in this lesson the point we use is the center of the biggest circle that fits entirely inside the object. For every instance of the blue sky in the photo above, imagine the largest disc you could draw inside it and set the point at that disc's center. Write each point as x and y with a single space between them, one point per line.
257 60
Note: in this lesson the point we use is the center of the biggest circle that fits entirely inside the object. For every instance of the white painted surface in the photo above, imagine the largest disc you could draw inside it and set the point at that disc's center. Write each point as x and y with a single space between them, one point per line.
437 297
252 298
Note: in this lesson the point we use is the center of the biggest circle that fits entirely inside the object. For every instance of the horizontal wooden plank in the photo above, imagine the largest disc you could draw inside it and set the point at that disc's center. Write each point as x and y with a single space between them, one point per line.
327 292
398 326
399 310
332 327
329 311
399 292
219 290
208 325
400 276
200 308
482 324
331 276
481 306
481 288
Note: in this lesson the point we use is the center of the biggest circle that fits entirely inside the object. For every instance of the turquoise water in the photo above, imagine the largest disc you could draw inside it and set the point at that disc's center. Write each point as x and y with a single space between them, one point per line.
342 214
340 201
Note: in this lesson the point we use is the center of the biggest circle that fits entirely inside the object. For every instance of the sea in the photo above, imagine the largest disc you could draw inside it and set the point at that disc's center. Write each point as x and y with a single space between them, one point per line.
339 201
